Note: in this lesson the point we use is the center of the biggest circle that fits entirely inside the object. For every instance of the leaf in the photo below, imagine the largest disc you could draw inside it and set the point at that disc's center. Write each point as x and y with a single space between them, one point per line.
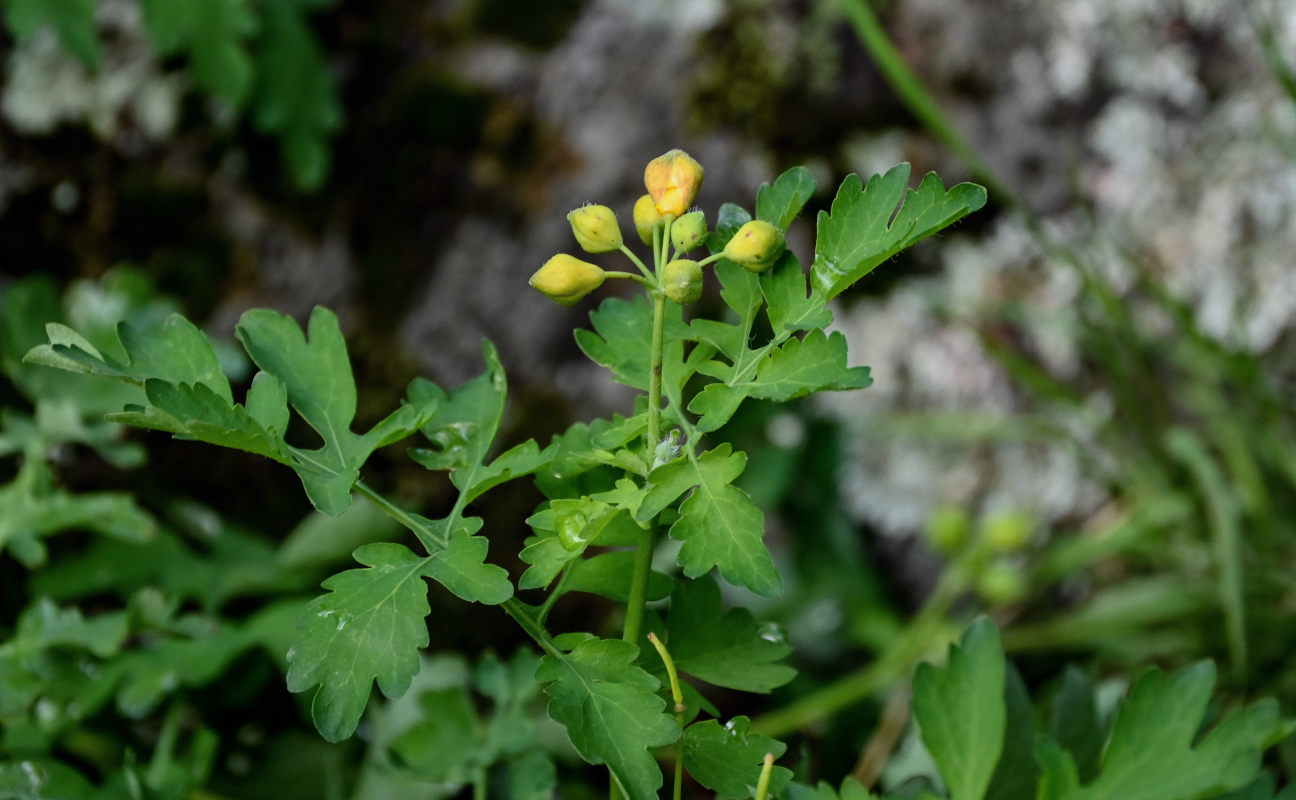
782 369
724 648
1075 725
780 202
622 335
213 33
444 743
1155 750
863 228
960 711
30 510
533 776
1016 775
728 759
609 575
718 523
851 789
315 373
72 20
370 626
296 98
787 305
42 627
611 711
151 674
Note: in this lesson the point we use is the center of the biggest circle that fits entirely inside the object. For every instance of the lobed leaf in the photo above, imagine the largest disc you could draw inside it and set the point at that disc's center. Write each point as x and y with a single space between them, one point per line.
727 759
725 648
960 711
369 627
864 228
780 202
611 711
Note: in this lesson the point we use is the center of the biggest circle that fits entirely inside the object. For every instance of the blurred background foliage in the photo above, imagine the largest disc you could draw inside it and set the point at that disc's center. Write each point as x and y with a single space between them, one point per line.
1082 414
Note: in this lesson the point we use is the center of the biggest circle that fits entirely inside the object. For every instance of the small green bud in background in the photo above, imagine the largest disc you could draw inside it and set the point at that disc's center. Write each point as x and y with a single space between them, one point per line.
946 529
596 229
688 231
673 180
1007 531
646 218
756 245
1000 583
567 279
682 281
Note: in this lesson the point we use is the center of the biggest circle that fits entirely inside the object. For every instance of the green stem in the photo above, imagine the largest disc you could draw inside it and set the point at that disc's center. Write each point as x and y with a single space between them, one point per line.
915 96
677 694
647 273
762 784
644 543
926 631
640 279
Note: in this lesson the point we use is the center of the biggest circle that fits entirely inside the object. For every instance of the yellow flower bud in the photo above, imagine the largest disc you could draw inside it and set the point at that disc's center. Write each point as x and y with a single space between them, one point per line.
756 245
567 279
646 218
596 229
1008 531
682 281
688 231
673 180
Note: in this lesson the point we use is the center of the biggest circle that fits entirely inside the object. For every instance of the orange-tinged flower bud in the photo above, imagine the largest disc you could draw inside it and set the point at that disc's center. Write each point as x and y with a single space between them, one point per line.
646 218
596 229
567 279
673 180
688 231
756 245
682 281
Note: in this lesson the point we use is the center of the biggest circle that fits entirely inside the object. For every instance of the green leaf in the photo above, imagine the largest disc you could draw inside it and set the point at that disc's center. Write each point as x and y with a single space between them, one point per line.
727 759
1016 774
315 373
1075 725
1155 750
780 202
370 626
533 776
42 779
718 523
851 789
622 334
725 648
296 98
787 305
444 743
72 20
42 627
611 711
151 674
863 229
214 35
960 711
609 575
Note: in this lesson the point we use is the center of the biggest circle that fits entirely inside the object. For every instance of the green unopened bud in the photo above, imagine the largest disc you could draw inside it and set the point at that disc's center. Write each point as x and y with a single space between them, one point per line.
682 281
1001 583
673 180
756 245
596 229
567 279
646 218
688 231
1007 531
946 529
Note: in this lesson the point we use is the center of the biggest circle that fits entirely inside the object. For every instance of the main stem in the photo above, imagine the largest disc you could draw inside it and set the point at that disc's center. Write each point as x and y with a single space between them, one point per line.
644 543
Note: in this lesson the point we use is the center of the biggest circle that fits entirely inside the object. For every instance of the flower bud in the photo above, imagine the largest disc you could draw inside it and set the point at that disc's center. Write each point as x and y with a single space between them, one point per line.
946 529
646 218
682 281
1001 583
673 180
756 245
567 279
596 229
1008 531
688 231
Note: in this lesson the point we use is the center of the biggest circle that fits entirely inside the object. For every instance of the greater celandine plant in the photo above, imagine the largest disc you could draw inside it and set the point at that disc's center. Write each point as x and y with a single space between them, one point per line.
614 488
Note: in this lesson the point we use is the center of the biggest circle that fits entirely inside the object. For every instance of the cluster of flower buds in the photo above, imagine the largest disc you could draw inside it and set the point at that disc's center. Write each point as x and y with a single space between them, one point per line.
663 220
